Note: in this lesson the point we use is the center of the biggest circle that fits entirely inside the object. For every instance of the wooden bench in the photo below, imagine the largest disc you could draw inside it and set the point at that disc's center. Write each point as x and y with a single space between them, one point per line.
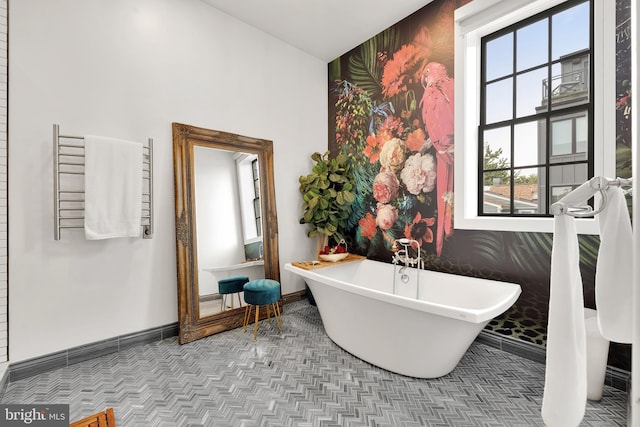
101 419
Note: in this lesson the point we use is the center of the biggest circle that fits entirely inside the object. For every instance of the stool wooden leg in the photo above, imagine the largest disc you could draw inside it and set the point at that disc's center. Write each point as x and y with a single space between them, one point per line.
276 312
239 302
247 316
222 303
255 328
269 313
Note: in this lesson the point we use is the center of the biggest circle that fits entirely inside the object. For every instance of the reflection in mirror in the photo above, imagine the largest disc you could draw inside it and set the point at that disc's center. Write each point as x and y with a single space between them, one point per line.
226 225
229 232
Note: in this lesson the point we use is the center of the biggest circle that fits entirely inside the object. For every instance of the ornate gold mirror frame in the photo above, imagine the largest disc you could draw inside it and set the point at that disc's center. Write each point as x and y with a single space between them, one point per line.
185 138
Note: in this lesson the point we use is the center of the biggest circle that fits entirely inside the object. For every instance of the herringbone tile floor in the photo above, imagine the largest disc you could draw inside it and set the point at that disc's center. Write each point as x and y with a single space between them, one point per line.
298 379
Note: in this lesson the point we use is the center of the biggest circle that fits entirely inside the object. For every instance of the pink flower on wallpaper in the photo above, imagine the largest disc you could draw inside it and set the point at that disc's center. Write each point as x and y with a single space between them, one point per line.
387 215
392 127
385 187
368 226
419 173
392 154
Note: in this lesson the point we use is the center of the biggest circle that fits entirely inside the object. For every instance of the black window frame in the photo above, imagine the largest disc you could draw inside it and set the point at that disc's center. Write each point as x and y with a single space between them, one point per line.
547 116
257 211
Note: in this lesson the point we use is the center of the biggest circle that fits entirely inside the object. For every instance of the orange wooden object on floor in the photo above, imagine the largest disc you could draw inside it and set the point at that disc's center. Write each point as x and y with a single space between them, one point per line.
101 419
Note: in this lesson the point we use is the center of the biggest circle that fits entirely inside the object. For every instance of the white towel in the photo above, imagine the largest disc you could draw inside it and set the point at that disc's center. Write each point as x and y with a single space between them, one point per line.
614 270
113 188
565 390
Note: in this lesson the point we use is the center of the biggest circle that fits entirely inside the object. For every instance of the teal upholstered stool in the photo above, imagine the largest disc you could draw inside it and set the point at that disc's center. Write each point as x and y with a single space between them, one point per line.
231 285
262 292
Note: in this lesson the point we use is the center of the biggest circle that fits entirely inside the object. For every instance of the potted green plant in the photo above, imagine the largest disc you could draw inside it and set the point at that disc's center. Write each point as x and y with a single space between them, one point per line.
327 194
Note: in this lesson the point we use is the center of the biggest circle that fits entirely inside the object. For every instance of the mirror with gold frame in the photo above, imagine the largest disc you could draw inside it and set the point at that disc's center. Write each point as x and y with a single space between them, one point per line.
190 145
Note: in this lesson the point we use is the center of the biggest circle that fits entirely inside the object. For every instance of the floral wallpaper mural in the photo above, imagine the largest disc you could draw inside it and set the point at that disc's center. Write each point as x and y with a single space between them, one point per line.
623 88
394 114
391 109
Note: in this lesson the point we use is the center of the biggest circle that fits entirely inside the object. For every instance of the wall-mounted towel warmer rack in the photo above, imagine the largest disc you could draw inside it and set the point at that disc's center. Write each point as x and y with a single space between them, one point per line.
573 204
68 184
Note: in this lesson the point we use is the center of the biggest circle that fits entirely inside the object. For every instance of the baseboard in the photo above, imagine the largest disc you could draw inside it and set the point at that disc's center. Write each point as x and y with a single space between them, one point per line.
61 359
615 377
293 297
210 297
10 372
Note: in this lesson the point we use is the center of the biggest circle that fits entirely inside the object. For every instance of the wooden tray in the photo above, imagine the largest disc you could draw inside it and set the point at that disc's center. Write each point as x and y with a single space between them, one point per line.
312 265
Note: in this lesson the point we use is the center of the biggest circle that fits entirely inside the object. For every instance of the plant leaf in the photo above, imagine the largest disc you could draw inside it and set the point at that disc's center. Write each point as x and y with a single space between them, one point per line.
363 66
349 197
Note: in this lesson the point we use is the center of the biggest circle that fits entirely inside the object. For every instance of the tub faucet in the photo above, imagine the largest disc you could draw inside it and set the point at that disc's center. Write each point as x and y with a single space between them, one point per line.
401 256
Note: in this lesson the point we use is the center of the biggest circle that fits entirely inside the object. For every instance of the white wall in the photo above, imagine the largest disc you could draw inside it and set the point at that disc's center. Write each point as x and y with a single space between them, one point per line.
128 68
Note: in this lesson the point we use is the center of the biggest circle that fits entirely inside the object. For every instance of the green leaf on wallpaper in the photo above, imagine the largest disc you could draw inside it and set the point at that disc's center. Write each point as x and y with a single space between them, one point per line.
489 255
623 160
484 247
334 70
531 252
589 246
363 66
363 179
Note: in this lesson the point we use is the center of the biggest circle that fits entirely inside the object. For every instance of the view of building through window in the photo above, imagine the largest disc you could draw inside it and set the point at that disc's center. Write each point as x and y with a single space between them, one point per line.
535 135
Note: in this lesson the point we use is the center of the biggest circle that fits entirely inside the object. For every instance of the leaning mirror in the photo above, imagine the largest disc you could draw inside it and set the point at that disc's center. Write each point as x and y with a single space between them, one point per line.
226 224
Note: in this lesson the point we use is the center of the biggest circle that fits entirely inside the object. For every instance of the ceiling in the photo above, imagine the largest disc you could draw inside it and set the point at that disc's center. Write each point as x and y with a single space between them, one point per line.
325 29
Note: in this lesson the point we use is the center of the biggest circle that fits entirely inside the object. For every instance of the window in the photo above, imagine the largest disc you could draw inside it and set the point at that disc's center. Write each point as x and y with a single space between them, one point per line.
249 195
256 196
569 136
535 75
529 76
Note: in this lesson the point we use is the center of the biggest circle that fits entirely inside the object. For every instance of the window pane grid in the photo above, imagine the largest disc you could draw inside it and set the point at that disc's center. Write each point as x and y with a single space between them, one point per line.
550 139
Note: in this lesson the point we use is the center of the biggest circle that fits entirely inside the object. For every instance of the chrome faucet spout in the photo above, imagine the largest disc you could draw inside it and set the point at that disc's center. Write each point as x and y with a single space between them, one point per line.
402 255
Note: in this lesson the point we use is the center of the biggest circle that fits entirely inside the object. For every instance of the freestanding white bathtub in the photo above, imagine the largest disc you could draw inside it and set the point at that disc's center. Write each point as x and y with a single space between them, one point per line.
423 338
